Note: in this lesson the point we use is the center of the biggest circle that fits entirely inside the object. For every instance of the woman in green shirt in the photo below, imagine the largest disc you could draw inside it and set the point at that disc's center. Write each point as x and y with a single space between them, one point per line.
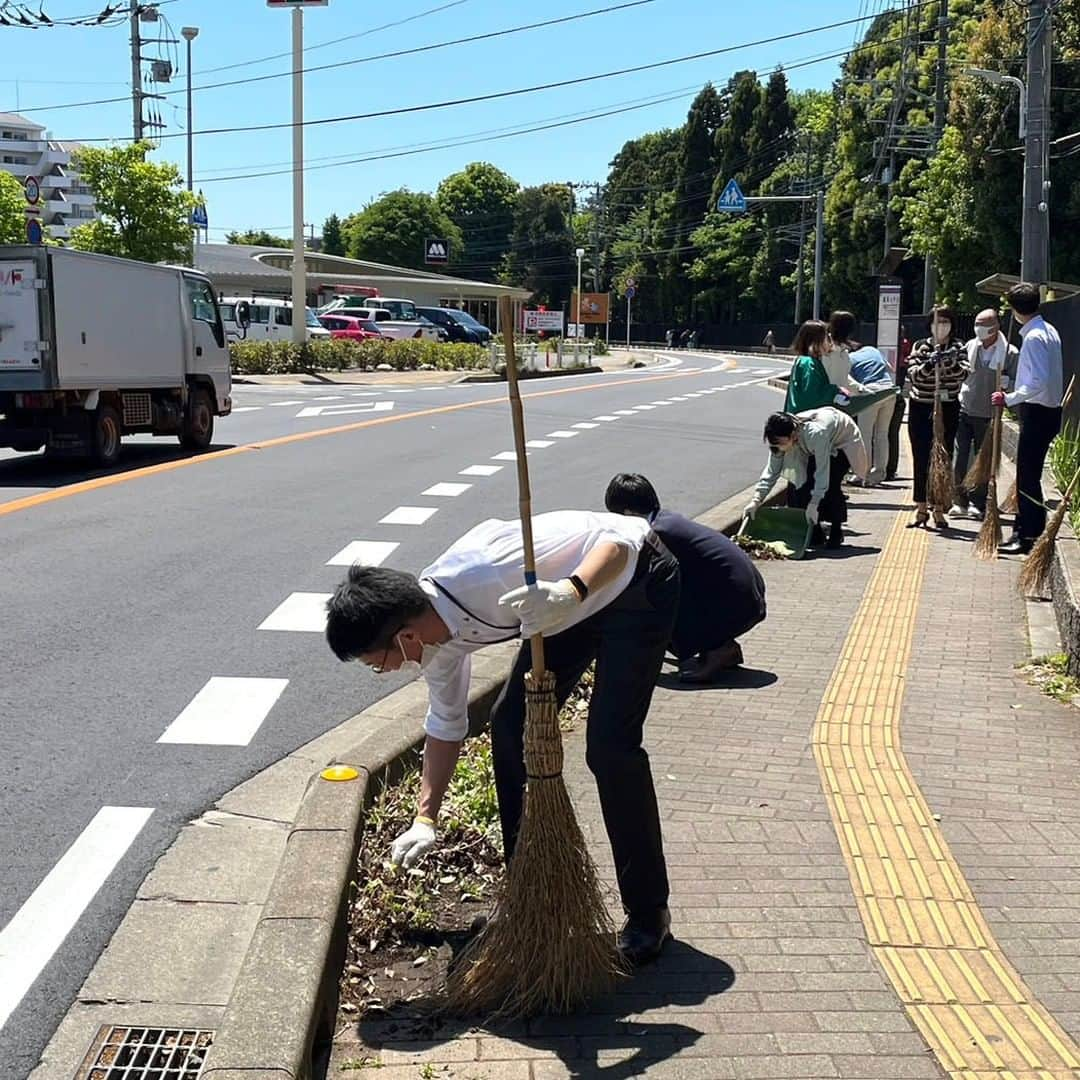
809 386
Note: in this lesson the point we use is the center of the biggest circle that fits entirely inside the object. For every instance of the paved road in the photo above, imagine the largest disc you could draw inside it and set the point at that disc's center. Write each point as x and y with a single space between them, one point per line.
124 600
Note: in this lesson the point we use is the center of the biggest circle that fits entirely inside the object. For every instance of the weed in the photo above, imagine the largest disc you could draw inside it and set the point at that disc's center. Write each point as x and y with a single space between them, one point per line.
1051 675
361 1063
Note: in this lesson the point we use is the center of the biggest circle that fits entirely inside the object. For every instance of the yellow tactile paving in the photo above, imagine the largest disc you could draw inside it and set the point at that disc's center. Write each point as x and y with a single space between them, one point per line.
921 917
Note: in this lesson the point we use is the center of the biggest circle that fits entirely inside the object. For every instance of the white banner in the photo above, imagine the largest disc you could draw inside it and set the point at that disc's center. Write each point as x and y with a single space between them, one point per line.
543 320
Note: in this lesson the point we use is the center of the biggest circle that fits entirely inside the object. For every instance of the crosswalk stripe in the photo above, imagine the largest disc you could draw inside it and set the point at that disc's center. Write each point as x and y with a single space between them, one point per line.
225 712
300 611
365 552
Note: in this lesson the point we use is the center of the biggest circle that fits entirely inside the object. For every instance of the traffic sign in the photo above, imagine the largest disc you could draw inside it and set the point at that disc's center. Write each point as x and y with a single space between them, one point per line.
437 251
33 231
198 216
631 292
543 320
32 189
732 199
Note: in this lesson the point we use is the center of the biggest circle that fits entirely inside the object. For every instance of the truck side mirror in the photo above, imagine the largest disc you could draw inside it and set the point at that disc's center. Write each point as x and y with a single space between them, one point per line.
243 316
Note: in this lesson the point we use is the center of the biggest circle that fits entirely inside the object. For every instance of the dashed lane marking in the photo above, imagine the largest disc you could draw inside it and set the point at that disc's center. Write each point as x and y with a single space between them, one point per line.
584 425
539 444
561 434
505 455
299 611
480 470
364 552
921 918
245 408
605 418
283 404
409 515
447 491
345 410
225 712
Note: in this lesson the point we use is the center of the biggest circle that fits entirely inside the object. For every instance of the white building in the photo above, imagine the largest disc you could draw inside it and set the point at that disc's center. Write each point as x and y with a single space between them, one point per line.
26 150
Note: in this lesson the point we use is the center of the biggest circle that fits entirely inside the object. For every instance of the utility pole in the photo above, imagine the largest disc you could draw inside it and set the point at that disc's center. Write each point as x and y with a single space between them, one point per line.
799 269
299 269
597 211
1035 248
941 106
136 72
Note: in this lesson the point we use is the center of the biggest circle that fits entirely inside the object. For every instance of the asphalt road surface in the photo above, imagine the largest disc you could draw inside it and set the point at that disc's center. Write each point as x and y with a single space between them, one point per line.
162 625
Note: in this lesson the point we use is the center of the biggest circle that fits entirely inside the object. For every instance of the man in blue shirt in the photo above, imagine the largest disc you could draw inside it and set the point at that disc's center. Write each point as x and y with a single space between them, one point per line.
1037 400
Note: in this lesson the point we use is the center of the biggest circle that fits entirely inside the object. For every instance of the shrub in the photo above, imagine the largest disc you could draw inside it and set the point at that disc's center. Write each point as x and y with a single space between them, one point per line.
340 354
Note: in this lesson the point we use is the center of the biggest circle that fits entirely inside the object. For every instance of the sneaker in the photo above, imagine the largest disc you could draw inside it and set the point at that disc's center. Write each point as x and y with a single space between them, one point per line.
958 511
974 514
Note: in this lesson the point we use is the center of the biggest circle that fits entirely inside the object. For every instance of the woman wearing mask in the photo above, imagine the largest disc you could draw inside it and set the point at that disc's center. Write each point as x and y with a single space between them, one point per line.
937 368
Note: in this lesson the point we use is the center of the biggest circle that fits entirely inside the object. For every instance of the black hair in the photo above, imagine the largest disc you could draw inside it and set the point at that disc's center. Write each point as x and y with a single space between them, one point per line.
631 493
841 326
1024 298
369 607
781 425
942 311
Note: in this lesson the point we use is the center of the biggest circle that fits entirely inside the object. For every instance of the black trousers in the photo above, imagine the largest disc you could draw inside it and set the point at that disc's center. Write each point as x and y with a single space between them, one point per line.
970 432
834 502
894 436
1038 426
627 639
920 425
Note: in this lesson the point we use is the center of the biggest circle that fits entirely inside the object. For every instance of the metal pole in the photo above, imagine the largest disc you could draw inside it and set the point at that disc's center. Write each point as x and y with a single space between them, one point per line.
628 322
299 279
941 105
819 247
136 73
800 269
1035 248
190 136
577 305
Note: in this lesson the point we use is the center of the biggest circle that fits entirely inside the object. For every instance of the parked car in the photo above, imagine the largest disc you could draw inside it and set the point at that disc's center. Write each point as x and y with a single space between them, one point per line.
458 325
350 326
271 320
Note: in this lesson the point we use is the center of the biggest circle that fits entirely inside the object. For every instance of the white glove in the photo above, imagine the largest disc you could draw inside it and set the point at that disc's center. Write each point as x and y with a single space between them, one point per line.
413 844
750 509
812 514
543 607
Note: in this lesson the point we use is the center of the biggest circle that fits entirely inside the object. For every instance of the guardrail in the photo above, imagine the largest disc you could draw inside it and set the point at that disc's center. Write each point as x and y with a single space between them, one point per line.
531 356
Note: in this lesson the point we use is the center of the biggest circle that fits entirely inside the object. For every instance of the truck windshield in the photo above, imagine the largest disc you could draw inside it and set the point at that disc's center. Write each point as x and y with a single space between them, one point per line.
403 310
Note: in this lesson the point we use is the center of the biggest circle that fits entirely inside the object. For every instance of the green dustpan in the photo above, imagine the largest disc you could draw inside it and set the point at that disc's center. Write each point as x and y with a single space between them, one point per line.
863 401
783 528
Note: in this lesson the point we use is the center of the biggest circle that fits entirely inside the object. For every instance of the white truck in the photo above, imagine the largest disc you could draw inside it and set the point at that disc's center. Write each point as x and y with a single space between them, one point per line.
93 348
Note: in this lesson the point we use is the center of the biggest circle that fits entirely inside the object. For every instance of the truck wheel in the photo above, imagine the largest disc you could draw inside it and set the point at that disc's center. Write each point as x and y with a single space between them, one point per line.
198 430
105 438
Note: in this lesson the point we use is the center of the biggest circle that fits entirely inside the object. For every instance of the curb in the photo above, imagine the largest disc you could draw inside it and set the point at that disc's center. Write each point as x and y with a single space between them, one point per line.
553 373
280 1017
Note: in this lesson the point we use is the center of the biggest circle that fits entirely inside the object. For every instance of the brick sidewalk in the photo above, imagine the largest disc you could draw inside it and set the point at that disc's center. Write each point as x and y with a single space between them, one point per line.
772 974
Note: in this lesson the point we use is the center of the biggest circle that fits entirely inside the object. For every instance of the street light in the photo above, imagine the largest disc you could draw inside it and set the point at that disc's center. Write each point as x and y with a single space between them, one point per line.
996 78
577 315
189 34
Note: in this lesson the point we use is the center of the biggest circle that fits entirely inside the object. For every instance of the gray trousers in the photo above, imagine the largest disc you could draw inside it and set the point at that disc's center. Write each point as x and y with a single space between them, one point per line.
970 432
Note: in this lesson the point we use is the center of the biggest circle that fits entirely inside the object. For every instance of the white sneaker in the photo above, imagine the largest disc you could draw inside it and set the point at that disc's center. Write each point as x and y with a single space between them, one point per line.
974 513
958 511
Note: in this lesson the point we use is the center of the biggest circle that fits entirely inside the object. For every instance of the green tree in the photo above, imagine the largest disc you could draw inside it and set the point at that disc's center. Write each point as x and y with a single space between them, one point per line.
257 238
733 136
480 201
394 228
772 126
333 238
541 257
12 210
144 208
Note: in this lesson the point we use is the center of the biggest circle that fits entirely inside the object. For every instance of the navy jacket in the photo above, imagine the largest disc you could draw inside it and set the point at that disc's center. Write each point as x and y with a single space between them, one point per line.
723 595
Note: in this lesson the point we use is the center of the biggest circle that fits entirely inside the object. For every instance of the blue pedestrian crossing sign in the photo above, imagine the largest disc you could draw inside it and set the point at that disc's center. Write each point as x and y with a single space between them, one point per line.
732 199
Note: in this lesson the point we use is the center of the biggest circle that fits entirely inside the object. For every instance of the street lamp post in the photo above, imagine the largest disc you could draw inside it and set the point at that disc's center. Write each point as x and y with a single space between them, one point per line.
577 314
189 34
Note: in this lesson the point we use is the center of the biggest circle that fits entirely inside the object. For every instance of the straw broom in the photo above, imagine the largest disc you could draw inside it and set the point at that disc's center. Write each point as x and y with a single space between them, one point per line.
989 539
941 477
550 944
1035 573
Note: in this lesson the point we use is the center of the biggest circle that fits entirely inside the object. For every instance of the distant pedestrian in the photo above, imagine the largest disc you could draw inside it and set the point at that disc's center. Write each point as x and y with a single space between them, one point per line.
869 371
769 341
990 357
1037 399
684 339
899 406
937 369
722 595
667 337
831 440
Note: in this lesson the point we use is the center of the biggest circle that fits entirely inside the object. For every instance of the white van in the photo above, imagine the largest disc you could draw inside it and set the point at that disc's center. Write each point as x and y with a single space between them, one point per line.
395 318
271 320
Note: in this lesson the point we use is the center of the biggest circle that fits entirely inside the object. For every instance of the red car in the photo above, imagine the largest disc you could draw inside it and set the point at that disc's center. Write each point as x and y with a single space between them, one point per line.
351 327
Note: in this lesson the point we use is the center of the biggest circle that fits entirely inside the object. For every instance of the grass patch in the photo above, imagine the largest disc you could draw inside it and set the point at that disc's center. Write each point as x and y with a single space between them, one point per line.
1051 675
1064 458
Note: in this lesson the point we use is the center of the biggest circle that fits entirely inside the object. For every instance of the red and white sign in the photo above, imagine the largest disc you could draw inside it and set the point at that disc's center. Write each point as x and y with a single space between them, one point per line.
543 320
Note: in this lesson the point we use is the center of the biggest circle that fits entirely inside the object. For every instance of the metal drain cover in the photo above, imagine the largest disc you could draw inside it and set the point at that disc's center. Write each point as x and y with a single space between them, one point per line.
144 1053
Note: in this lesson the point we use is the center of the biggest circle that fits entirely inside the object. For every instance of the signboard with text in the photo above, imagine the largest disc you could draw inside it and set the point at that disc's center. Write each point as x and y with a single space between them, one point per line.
543 320
888 323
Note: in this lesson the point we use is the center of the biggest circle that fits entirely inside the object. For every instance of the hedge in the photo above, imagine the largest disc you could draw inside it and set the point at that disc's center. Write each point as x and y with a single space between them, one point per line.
338 354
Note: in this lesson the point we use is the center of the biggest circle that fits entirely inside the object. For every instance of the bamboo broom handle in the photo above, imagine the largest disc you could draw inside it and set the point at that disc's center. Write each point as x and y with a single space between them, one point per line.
1068 394
995 429
517 416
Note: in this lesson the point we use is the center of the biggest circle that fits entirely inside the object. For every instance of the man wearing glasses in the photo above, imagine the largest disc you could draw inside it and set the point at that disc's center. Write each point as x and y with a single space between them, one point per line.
608 591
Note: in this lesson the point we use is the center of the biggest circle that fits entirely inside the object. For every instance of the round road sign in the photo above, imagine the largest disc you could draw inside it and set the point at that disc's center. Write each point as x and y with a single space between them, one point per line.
32 190
631 292
33 231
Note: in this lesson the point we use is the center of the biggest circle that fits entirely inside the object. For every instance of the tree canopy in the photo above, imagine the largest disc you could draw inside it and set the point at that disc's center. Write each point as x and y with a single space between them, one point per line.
12 210
394 228
480 200
258 238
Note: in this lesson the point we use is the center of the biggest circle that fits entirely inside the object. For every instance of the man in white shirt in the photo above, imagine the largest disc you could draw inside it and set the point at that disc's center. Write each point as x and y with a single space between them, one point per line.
608 591
1037 399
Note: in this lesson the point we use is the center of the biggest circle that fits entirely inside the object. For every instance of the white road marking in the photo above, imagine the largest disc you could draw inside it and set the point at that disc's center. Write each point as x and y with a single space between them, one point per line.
643 408
225 712
505 455
364 552
624 412
332 397
480 470
560 434
304 611
764 371
585 426
40 926
449 491
539 444
663 401
346 409
409 515
607 419
245 408
282 404
678 399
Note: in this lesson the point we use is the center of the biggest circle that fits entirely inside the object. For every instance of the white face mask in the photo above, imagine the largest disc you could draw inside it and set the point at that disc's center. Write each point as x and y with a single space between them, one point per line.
414 667
983 332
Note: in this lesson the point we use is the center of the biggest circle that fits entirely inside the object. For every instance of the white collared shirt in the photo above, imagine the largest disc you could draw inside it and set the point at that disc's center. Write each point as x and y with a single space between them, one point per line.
1038 375
464 585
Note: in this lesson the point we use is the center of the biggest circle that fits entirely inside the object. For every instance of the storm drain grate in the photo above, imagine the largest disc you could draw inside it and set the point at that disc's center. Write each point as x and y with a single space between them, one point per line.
144 1053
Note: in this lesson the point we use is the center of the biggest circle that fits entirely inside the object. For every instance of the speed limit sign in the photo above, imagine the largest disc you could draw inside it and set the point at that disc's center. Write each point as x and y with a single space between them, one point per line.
32 190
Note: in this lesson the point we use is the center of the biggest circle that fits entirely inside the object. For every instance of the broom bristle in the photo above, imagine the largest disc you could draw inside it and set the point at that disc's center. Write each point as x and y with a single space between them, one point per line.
1035 573
940 484
981 468
989 539
550 944
1012 501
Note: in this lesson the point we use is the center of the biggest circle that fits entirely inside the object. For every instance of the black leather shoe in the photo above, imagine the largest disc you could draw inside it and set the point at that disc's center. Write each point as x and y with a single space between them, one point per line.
836 536
642 940
817 536
1016 545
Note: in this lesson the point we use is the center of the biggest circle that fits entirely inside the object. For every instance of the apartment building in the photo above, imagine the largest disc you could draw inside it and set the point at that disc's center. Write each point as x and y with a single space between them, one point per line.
26 150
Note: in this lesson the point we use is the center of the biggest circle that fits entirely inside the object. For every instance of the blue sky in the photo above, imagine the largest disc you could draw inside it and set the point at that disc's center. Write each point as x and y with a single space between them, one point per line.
47 64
